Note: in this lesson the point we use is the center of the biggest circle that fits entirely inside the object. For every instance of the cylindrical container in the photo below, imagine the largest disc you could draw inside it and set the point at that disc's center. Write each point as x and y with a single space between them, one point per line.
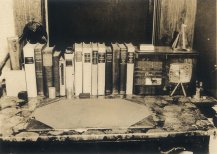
69 93
52 92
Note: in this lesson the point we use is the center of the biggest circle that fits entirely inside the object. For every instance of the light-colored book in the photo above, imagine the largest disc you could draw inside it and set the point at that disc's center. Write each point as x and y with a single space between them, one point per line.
101 68
14 51
130 68
69 61
146 48
78 68
29 61
87 57
94 71
15 81
62 73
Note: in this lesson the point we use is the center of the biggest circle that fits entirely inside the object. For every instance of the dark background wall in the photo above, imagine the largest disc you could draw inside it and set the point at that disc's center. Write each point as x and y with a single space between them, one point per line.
100 20
205 43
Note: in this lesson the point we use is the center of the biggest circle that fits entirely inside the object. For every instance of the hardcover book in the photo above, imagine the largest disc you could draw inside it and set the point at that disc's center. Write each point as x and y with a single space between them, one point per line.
108 71
56 75
123 68
29 61
94 71
78 68
48 70
62 73
130 68
87 63
101 68
39 68
14 51
69 58
115 69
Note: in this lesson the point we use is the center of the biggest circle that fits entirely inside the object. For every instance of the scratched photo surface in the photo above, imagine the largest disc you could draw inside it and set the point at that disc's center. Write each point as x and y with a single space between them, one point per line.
108 76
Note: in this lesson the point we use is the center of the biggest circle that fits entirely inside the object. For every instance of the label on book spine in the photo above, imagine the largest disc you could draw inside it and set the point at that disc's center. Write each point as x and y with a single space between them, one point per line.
87 57
95 57
130 58
29 60
101 58
68 62
78 56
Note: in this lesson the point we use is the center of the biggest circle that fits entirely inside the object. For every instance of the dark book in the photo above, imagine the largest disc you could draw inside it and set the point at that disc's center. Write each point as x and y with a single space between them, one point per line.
123 68
115 68
39 68
56 74
47 67
108 71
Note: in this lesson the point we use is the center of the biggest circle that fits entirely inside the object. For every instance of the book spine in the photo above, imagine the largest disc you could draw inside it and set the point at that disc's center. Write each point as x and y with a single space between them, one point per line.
39 71
130 73
30 70
87 70
62 77
14 51
78 72
115 72
123 71
69 58
48 72
108 72
56 75
101 73
94 76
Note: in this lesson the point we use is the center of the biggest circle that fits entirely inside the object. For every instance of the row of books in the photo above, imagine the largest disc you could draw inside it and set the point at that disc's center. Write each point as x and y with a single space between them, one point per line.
92 68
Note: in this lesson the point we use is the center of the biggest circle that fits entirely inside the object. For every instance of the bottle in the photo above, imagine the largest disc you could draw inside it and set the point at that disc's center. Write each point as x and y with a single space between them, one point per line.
201 89
197 95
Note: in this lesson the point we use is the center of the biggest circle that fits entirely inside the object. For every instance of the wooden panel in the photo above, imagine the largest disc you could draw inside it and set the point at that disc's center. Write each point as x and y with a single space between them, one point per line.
25 11
173 14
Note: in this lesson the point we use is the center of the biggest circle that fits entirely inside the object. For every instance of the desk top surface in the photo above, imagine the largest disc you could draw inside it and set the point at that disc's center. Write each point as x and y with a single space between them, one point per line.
168 117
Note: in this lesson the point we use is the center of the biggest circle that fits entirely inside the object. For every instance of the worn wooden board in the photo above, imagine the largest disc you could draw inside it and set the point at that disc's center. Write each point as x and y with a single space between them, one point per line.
25 11
169 17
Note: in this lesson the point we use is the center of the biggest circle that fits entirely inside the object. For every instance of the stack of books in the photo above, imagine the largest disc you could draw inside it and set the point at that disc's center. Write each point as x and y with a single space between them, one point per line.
92 68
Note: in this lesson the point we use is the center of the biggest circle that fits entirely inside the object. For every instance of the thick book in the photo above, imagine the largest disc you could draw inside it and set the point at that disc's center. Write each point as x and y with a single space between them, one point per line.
78 68
48 68
62 74
14 51
130 68
29 61
123 68
101 68
115 69
69 59
87 63
108 71
94 71
39 68
56 74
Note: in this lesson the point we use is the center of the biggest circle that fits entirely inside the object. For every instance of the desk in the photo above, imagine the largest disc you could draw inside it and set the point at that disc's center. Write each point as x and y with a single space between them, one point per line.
167 120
